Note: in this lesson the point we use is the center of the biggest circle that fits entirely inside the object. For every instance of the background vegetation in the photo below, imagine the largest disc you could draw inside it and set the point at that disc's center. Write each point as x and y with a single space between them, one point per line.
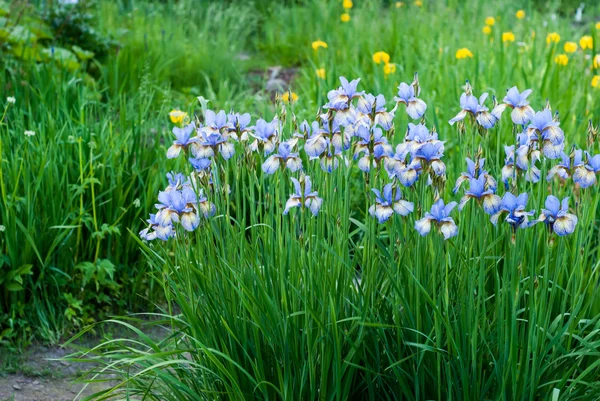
95 82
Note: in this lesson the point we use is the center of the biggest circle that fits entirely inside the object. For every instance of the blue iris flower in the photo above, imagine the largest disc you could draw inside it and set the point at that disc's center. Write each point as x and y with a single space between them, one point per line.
266 135
387 203
156 231
522 111
477 190
284 158
547 131
430 154
240 123
475 170
182 140
585 175
417 135
557 217
440 217
213 142
515 207
307 197
415 107
374 106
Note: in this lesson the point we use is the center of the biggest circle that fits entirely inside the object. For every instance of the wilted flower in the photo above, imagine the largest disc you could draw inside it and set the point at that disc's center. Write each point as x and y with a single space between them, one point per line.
284 158
408 94
515 207
381 57
522 111
553 37
389 201
318 43
440 216
586 42
557 217
486 196
463 53
307 198
182 140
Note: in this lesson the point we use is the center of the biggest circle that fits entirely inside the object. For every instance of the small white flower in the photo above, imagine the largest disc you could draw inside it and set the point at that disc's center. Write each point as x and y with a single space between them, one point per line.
29 133
11 99
71 139
137 203
2 228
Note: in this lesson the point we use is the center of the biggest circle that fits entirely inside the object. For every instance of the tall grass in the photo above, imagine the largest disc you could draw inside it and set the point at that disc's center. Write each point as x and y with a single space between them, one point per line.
268 306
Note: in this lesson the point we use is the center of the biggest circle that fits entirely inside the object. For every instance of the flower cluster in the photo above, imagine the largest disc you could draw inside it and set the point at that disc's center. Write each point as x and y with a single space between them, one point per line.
356 128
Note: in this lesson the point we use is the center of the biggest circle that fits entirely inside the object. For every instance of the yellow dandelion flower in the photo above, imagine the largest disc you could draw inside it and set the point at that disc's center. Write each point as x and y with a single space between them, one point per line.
463 53
418 3
532 34
586 42
561 59
347 4
553 37
399 4
598 25
381 57
596 61
320 73
520 14
389 68
177 116
508 37
570 47
319 43
345 17
286 97
596 81
487 30
490 21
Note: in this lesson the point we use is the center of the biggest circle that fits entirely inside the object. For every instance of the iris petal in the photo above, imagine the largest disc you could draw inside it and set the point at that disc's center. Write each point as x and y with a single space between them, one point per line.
423 226
565 225
449 229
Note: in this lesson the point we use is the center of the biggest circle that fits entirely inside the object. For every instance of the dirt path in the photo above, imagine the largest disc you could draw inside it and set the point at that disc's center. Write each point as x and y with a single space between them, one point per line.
36 376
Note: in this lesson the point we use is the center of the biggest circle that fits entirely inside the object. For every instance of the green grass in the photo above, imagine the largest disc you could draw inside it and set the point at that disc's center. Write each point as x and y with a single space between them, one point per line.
333 307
